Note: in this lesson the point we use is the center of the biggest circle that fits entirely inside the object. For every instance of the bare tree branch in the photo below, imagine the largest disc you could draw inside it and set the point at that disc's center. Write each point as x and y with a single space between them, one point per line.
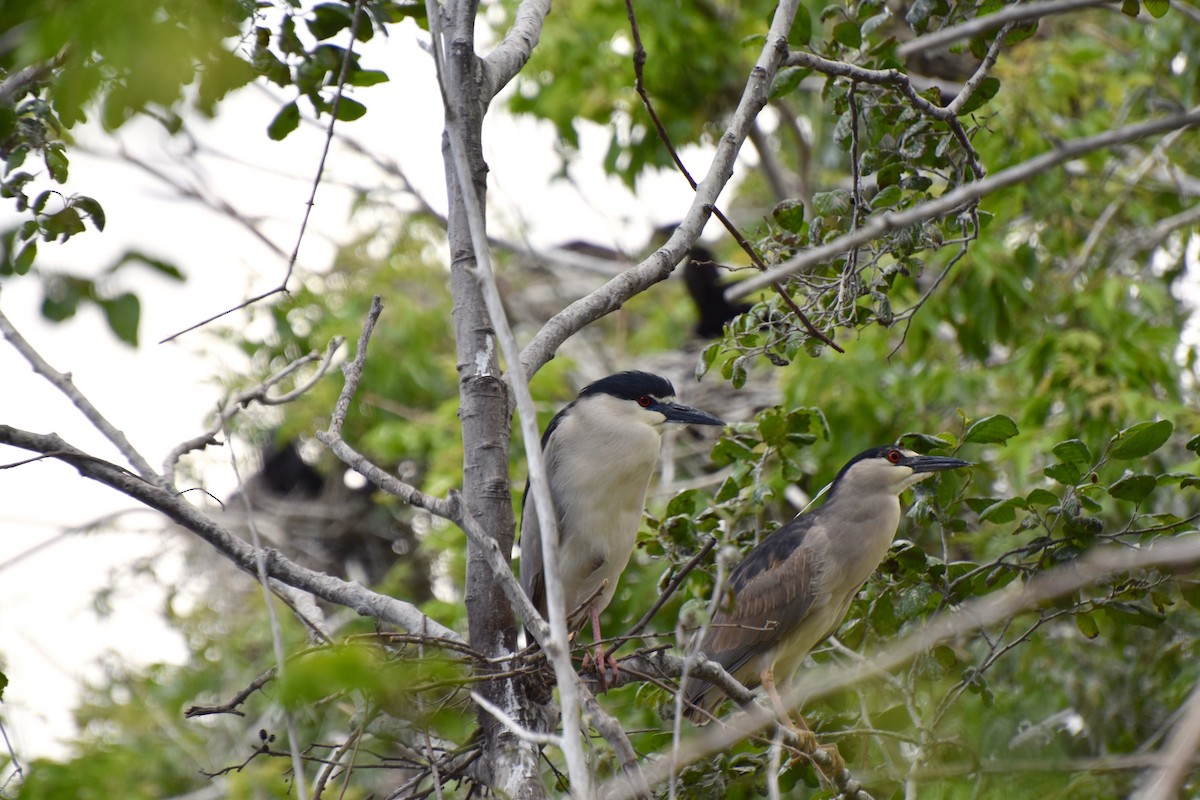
172 504
255 394
21 81
557 647
973 27
62 381
1176 758
948 203
503 63
343 74
658 266
1180 552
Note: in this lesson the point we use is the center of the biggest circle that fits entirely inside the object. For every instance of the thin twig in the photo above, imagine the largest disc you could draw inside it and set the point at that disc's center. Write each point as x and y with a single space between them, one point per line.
517 729
255 394
639 61
1176 756
18 772
1180 552
326 770
961 197
557 647
260 563
232 706
982 24
670 590
62 381
172 504
282 288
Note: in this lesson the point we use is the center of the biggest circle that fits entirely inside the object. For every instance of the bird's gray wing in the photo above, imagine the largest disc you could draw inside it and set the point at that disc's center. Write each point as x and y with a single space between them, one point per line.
772 592
532 578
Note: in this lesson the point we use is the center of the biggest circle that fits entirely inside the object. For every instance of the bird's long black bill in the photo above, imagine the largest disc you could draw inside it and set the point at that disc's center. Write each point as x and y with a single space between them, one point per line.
677 412
934 463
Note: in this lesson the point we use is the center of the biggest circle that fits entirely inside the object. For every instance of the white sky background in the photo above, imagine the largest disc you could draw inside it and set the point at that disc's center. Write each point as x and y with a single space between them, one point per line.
159 395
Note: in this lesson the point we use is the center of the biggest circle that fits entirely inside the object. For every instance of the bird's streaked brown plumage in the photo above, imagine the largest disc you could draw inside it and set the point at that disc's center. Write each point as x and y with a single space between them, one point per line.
794 588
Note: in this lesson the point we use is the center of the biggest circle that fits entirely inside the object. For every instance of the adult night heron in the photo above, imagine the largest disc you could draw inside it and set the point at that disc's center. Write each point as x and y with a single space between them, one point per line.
794 588
600 452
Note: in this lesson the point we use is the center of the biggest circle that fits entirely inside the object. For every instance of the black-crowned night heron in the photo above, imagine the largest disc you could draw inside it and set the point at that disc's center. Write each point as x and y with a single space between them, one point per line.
600 452
794 588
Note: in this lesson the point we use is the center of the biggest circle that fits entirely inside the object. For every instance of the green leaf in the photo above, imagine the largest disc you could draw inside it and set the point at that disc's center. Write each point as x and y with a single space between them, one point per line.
57 163
989 87
729 450
789 215
1041 497
774 427
65 223
1134 488
1141 439
1190 592
1002 512
3 683
1194 444
831 204
1131 614
93 209
996 429
1086 624
156 264
1158 8
848 34
286 121
24 259
924 443
887 197
123 313
328 19
366 77
1074 452
1130 8
801 31
349 110
1066 474
683 503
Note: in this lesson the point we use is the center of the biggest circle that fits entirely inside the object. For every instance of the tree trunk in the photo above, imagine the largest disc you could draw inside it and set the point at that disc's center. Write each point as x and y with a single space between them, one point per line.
510 764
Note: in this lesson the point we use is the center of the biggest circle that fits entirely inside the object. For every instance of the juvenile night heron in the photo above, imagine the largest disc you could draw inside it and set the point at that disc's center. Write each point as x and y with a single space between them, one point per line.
794 588
600 452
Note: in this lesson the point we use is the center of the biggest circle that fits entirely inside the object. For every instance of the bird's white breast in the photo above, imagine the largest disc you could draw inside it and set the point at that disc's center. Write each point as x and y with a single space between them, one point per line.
599 485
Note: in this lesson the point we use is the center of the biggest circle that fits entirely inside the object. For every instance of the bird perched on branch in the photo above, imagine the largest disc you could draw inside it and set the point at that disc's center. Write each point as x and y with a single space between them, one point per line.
794 588
600 452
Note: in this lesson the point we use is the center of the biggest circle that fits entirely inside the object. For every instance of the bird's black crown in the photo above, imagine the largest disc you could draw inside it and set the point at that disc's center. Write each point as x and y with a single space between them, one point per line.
631 385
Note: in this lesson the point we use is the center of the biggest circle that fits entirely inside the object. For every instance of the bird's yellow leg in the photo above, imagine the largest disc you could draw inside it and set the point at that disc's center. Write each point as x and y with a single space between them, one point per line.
806 739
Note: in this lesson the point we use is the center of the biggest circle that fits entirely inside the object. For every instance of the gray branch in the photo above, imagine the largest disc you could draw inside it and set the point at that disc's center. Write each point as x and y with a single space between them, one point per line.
503 63
1179 553
1017 13
255 394
62 381
172 504
960 198
658 266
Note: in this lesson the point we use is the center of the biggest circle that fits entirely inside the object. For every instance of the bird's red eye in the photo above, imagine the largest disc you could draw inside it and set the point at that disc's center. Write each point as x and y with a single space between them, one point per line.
645 402
894 456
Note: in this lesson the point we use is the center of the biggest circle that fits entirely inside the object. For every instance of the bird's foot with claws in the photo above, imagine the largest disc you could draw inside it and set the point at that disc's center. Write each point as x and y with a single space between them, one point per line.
602 663
825 756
